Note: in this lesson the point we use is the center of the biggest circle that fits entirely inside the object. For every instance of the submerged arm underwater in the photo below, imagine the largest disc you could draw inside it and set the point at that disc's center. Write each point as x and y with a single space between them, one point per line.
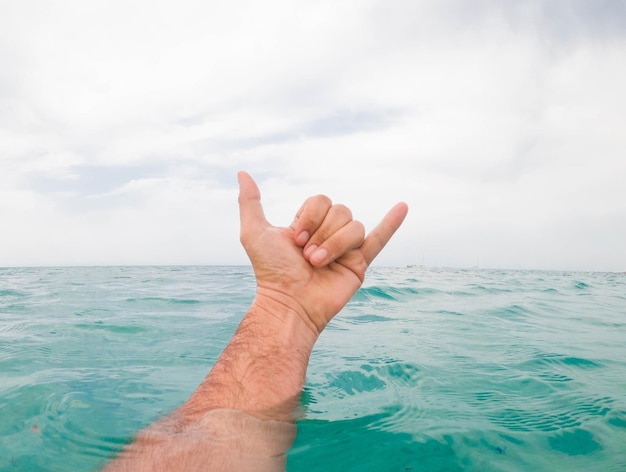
241 416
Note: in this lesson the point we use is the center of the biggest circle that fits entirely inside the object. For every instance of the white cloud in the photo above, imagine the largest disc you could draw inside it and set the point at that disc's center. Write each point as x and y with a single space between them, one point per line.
122 125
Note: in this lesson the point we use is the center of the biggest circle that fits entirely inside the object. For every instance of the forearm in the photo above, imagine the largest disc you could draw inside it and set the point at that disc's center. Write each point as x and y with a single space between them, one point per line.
263 368
240 417
221 440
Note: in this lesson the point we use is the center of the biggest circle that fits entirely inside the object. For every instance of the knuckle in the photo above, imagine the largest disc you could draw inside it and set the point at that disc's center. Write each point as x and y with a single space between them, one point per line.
321 200
314 209
342 211
324 199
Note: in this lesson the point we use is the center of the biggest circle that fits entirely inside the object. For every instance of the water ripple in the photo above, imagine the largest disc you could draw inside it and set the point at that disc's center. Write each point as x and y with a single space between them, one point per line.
159 300
426 369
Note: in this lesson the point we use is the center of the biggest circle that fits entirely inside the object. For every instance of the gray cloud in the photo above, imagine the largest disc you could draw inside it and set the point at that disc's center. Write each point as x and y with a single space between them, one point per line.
500 123
577 19
345 122
96 179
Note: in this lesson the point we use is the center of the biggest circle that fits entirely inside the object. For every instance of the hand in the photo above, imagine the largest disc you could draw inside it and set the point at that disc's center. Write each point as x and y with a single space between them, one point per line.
315 265
310 269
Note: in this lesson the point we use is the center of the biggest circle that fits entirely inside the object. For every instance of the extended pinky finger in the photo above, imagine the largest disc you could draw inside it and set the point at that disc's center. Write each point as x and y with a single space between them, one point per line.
380 236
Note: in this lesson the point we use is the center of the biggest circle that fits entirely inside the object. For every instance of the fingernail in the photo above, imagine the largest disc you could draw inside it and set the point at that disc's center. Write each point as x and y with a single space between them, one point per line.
302 238
319 256
309 250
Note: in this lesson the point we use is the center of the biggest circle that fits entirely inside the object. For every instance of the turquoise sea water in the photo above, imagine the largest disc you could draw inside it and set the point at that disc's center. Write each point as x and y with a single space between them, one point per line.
425 369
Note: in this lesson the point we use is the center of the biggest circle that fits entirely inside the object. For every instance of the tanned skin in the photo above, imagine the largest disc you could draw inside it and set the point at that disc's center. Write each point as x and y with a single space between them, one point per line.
241 416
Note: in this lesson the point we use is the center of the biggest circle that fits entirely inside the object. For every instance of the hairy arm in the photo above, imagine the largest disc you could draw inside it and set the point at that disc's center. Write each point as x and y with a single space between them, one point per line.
240 416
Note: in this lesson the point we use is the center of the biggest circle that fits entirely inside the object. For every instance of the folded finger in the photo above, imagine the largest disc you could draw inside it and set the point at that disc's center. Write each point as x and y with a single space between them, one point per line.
348 237
335 219
309 217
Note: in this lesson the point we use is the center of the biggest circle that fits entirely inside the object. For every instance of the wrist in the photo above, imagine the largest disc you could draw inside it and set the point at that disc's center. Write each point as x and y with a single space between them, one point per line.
283 315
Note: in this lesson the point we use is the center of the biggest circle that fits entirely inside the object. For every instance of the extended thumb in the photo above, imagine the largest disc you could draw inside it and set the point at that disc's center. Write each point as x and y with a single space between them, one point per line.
250 209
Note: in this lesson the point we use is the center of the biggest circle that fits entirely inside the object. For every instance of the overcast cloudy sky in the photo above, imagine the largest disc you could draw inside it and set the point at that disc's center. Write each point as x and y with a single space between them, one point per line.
501 124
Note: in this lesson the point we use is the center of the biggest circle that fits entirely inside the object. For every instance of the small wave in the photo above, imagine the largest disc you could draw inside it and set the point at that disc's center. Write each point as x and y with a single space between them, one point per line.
12 328
401 373
369 293
512 312
449 312
387 293
367 319
552 377
549 290
574 443
118 329
539 415
581 362
618 421
353 382
475 289
11 293
160 300
92 311
8 351
519 420
487 396
61 422
558 360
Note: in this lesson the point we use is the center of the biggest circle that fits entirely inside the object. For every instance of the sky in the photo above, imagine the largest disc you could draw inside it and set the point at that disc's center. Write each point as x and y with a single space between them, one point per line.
501 124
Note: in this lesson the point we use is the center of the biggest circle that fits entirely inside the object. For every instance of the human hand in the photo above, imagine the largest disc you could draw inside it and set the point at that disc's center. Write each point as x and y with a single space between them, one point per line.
315 265
305 274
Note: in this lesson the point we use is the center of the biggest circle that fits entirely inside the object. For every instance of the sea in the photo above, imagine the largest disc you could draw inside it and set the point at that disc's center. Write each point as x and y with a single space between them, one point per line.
426 369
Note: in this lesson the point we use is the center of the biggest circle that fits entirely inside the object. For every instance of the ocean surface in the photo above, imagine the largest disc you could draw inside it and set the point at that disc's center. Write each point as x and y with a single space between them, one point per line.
424 370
